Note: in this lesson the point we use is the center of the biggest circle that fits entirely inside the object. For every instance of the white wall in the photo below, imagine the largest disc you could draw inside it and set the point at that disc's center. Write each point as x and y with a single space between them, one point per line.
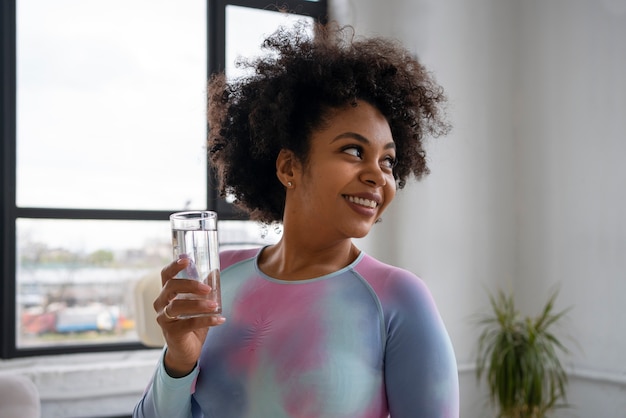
571 180
529 190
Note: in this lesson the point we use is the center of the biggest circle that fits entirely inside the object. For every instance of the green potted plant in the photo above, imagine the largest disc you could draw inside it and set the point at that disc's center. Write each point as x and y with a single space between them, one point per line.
519 358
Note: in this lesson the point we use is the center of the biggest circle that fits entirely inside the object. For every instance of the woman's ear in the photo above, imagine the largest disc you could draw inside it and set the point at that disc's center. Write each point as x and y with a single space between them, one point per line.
287 166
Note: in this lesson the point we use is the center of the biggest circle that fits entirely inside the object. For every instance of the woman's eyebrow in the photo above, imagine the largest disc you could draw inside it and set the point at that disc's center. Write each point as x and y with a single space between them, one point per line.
360 138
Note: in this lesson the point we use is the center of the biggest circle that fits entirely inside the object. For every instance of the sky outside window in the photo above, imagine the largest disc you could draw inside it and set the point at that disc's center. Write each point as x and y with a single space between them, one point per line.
258 24
111 104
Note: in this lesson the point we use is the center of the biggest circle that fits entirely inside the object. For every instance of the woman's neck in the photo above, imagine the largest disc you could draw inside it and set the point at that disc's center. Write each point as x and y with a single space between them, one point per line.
299 259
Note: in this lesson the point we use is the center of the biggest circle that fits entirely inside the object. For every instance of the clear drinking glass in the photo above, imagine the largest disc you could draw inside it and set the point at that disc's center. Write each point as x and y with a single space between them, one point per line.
194 236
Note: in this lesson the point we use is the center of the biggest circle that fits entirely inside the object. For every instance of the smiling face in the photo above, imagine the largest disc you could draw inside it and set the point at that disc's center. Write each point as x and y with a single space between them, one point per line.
347 181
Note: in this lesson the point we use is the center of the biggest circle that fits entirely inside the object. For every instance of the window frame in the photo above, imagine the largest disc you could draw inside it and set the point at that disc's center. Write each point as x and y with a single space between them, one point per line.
10 212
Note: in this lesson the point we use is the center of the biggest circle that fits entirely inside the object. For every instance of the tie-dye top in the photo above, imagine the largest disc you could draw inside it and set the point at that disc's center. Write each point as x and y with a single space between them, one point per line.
364 341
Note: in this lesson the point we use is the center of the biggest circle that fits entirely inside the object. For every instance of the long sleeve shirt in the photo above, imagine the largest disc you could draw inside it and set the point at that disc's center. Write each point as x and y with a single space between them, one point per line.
366 341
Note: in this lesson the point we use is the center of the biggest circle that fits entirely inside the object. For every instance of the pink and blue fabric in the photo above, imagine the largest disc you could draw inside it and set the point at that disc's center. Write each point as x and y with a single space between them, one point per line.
364 342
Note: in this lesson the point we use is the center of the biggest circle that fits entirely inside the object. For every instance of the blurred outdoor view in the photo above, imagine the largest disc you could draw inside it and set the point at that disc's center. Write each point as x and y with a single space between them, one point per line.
76 279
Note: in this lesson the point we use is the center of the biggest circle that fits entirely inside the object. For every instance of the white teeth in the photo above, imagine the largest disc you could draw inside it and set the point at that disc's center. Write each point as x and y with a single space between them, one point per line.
363 202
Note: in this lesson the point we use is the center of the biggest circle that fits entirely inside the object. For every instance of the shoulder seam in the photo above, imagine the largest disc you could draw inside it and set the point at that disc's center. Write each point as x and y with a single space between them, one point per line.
379 306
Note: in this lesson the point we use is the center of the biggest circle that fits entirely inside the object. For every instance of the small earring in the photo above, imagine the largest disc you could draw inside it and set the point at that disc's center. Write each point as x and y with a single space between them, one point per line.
289 184
379 220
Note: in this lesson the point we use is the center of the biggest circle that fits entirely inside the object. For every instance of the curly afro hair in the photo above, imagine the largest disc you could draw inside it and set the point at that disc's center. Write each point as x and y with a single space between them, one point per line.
294 88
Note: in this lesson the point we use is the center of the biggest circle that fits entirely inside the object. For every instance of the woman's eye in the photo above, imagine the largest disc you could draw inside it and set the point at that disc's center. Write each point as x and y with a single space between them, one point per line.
390 162
355 151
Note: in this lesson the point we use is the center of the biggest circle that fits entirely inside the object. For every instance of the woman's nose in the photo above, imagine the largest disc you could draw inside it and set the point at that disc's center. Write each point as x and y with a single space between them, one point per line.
374 175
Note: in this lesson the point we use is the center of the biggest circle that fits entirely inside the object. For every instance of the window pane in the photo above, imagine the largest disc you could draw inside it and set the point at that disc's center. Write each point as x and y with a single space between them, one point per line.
111 104
76 278
246 29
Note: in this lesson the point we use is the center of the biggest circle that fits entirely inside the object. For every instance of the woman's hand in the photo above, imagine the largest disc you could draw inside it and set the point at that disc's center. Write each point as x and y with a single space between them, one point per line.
184 336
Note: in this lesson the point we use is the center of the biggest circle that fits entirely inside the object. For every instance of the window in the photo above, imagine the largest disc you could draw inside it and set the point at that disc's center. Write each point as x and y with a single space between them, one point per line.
103 130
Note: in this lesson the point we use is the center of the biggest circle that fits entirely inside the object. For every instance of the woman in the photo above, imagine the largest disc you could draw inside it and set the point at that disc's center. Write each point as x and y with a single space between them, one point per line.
318 138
